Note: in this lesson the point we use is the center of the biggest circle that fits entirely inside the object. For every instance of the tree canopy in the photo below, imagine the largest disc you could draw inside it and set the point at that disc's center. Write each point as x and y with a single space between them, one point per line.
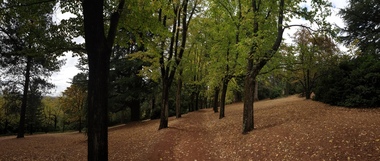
362 20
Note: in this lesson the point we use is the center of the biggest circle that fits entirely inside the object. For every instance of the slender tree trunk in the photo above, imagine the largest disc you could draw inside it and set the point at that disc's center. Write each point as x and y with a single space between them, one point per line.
307 85
178 97
223 97
80 124
196 101
216 99
21 127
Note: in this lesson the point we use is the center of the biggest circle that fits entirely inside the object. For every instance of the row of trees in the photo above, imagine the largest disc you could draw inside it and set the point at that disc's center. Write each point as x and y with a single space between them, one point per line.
159 58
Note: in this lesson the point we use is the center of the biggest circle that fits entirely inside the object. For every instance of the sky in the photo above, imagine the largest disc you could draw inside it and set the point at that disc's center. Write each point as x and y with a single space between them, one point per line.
63 78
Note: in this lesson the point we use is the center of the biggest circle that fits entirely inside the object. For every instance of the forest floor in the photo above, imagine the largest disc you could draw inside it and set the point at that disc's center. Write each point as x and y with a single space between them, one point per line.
290 128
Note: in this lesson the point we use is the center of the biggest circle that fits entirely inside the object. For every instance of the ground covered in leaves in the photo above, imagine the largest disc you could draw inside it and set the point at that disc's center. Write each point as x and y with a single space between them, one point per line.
289 128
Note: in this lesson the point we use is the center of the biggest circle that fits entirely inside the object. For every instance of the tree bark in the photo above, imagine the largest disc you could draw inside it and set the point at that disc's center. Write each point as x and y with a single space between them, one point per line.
249 84
99 48
216 99
21 127
165 105
197 101
226 80
308 86
80 125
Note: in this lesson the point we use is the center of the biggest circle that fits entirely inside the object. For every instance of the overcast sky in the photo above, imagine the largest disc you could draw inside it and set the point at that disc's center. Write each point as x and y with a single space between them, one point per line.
63 78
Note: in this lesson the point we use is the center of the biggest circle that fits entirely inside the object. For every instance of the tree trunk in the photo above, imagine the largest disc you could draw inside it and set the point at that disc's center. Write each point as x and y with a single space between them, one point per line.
21 127
135 110
216 99
99 48
307 85
165 106
196 101
80 124
97 113
249 85
178 98
223 97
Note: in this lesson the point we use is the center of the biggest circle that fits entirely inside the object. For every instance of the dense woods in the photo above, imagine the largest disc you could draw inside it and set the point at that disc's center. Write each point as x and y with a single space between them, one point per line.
156 59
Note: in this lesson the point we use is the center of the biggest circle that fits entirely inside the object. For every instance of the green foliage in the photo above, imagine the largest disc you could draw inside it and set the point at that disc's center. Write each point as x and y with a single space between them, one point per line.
34 110
362 20
354 83
73 104
52 114
10 109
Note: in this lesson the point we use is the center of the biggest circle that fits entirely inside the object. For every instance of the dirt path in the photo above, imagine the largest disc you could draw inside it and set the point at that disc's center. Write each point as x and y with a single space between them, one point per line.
285 129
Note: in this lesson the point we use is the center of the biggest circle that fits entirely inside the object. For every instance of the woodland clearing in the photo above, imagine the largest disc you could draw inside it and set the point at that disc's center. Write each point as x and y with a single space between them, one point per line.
290 128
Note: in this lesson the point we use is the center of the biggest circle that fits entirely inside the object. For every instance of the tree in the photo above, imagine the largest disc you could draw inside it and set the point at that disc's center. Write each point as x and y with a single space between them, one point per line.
128 89
314 52
171 54
362 19
73 103
229 15
51 112
267 25
28 43
353 82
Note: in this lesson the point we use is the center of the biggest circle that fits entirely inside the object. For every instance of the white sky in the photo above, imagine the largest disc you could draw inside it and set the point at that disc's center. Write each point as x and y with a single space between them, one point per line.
63 78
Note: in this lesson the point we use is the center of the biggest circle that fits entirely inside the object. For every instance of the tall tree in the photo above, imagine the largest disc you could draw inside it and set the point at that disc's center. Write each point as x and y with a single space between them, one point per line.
228 16
28 45
267 25
171 53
